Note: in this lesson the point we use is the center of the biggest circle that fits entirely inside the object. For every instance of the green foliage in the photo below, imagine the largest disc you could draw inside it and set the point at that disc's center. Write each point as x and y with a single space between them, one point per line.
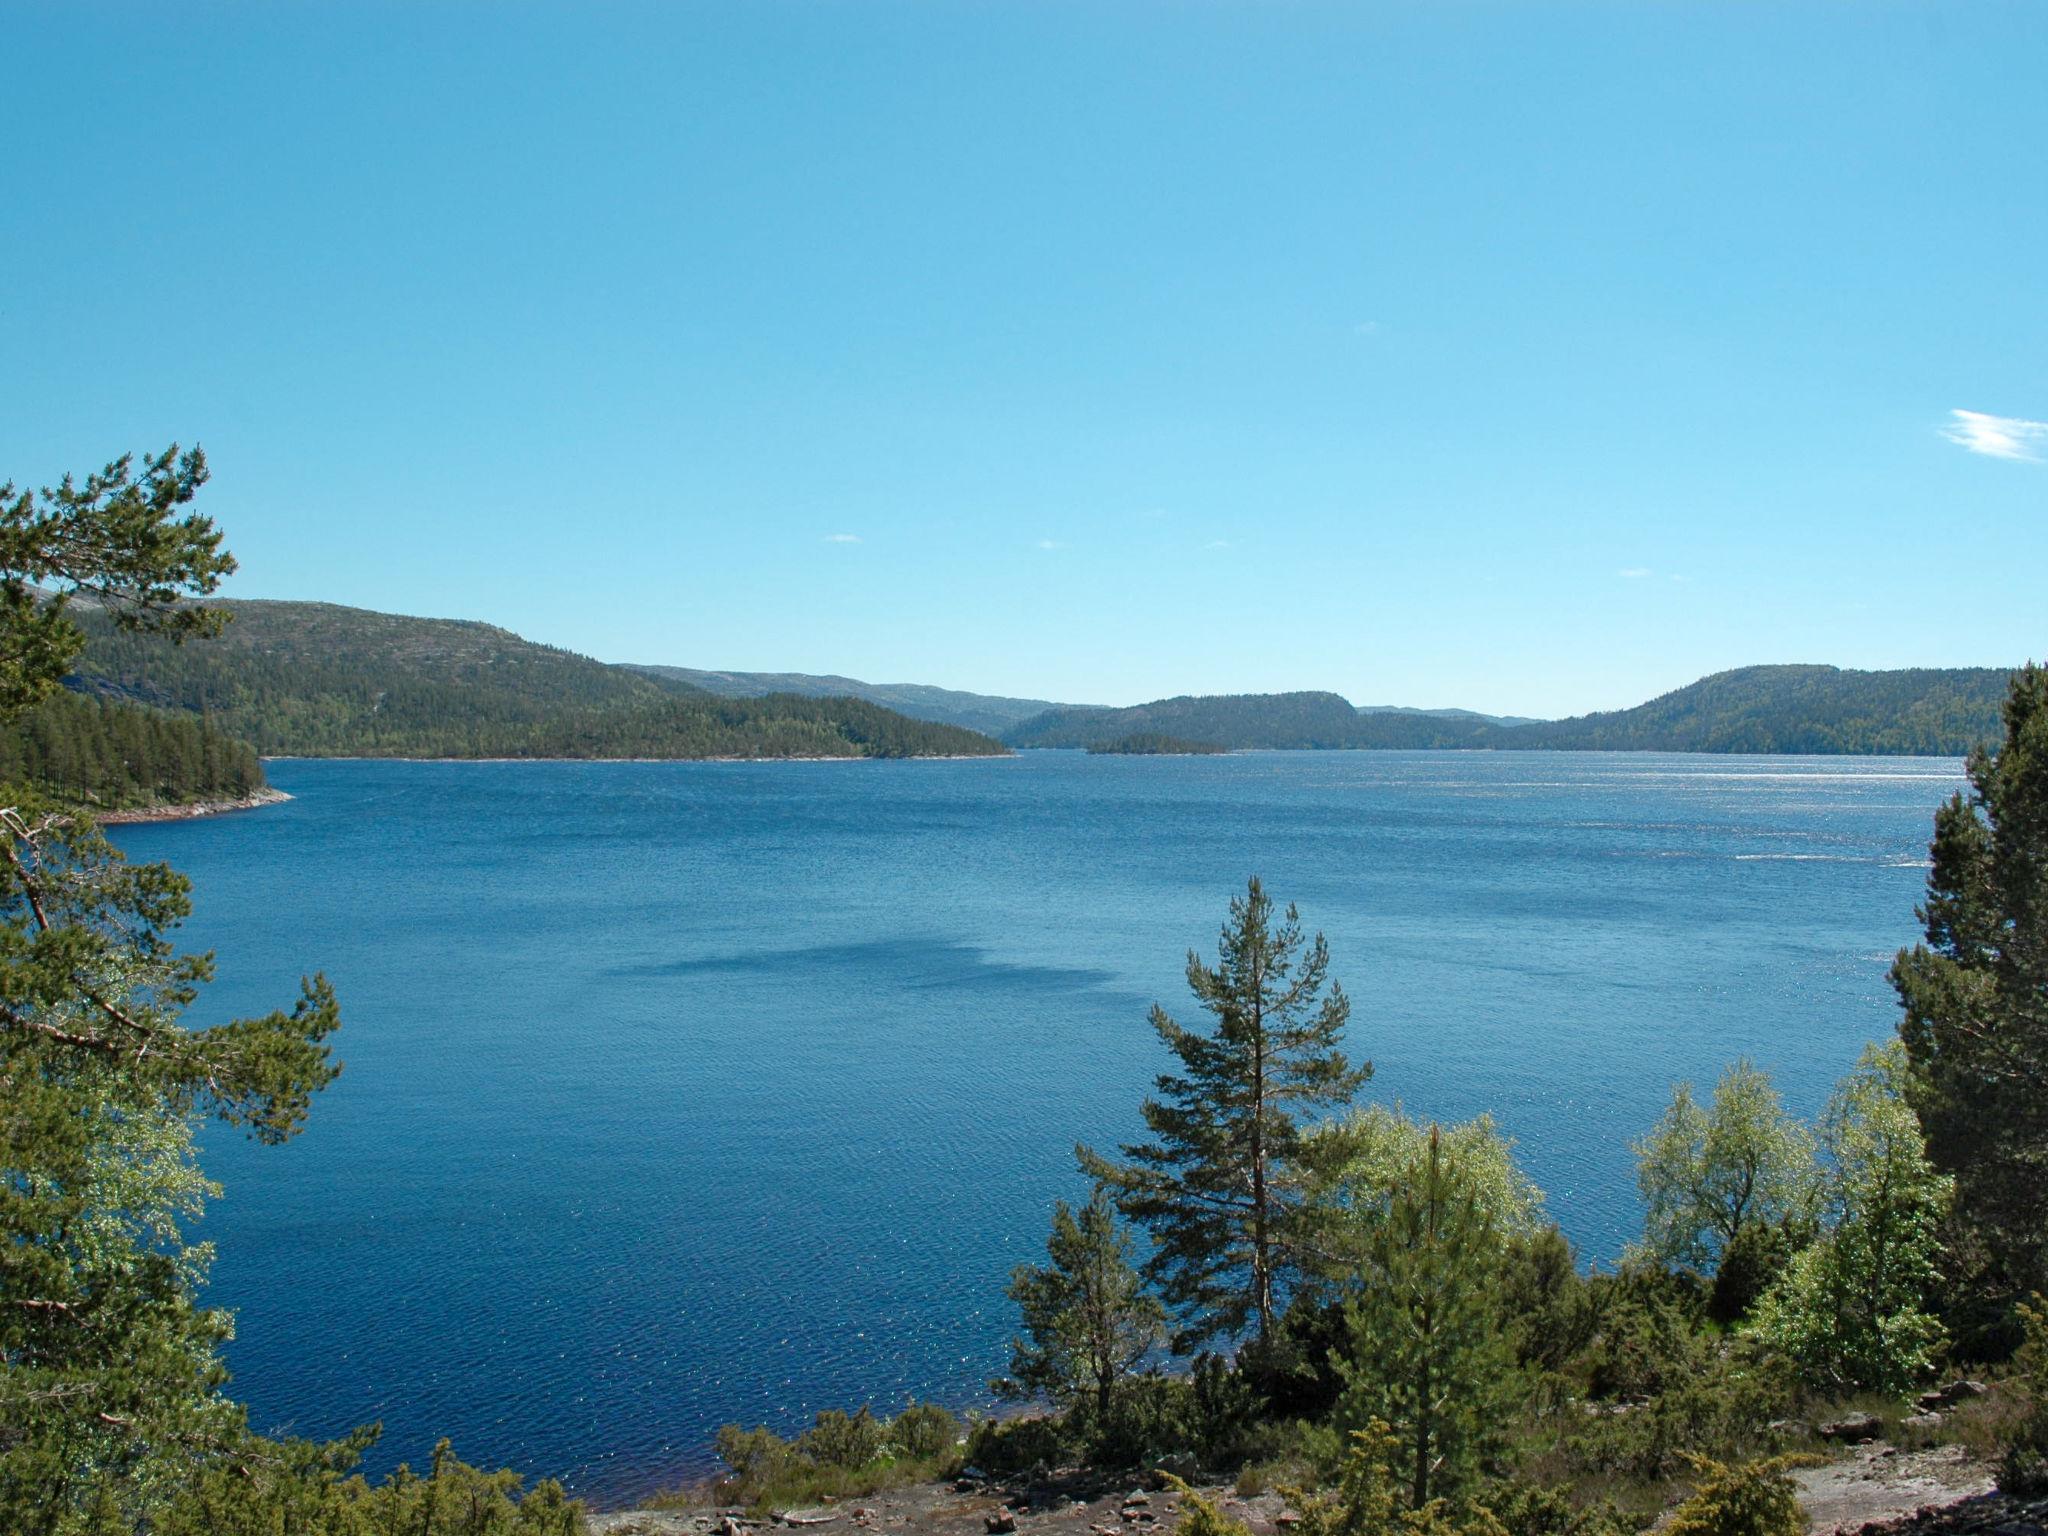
1374 1497
1152 744
924 1432
1851 1308
1975 1000
1706 1173
1646 1332
1754 1499
120 539
842 1455
1544 1301
107 1372
308 1490
1201 1517
1009 1446
1751 1264
2023 1444
109 1376
1426 1354
102 754
1354 1167
318 680
1087 1317
1532 1509
845 1440
1216 1187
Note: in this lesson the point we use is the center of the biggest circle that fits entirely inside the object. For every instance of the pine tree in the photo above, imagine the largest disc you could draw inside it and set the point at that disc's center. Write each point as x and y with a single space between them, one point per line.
1975 998
1087 1317
1215 1186
108 1381
1427 1355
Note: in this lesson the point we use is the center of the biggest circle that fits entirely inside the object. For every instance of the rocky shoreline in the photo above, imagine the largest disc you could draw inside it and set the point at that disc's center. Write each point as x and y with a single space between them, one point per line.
191 810
1873 1490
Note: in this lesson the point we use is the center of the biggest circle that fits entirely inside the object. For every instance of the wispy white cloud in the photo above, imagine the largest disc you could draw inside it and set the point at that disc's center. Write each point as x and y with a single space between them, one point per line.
1998 437
842 538
1366 328
1634 572
1051 544
1217 544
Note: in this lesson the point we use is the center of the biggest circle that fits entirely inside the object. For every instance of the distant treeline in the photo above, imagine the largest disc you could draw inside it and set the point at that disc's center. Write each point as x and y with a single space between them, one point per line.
115 756
1788 709
317 680
1152 744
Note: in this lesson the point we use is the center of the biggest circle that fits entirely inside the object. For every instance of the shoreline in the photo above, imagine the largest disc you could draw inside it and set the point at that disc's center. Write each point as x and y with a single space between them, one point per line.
191 810
936 757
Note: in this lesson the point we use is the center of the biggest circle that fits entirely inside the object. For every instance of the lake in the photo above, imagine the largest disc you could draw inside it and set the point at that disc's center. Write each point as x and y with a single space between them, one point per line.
681 1093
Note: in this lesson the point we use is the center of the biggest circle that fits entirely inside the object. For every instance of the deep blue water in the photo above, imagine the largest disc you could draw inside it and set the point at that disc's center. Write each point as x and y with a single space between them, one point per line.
685 1093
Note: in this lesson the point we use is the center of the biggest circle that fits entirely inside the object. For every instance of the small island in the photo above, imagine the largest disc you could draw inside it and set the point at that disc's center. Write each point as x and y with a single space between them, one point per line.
1154 744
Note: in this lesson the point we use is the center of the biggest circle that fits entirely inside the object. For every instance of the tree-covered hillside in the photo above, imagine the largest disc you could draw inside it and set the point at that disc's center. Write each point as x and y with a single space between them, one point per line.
321 680
989 713
109 755
1790 709
1241 720
1921 711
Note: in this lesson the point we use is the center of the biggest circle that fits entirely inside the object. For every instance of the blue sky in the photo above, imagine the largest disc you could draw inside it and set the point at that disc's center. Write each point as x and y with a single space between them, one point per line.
1533 358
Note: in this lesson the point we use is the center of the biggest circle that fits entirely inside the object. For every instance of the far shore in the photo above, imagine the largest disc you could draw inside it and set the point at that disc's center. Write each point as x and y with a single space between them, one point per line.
936 757
191 810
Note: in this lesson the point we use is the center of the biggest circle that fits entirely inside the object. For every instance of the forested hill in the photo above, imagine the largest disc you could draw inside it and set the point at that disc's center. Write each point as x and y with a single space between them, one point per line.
1920 711
321 680
986 712
1784 709
112 756
1240 720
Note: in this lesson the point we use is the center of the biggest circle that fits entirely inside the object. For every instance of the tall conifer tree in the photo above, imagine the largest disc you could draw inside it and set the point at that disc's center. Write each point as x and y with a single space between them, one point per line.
1215 1186
1975 995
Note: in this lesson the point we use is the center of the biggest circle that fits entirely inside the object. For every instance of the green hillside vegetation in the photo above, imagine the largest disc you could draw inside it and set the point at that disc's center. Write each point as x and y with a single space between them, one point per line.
1788 709
990 714
1285 721
107 755
321 680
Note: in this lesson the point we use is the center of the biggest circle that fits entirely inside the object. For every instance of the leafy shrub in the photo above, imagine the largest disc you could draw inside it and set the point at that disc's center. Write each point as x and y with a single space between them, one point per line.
1645 1333
837 1439
1720 1408
1752 1263
307 1489
1754 1499
757 1456
1368 1502
1545 1304
1531 1509
1009 1446
2023 1451
924 1431
1200 1517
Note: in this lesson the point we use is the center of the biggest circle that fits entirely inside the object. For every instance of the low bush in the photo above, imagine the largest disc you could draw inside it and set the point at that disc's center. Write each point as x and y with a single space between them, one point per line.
1753 1499
2023 1447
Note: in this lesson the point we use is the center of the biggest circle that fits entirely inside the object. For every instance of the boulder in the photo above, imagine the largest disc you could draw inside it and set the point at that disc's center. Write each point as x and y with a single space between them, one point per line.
1854 1429
1003 1520
1921 1421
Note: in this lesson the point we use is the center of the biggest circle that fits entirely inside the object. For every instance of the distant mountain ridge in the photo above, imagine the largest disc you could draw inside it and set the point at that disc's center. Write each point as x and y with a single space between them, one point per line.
1935 712
323 680
989 713
1448 714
